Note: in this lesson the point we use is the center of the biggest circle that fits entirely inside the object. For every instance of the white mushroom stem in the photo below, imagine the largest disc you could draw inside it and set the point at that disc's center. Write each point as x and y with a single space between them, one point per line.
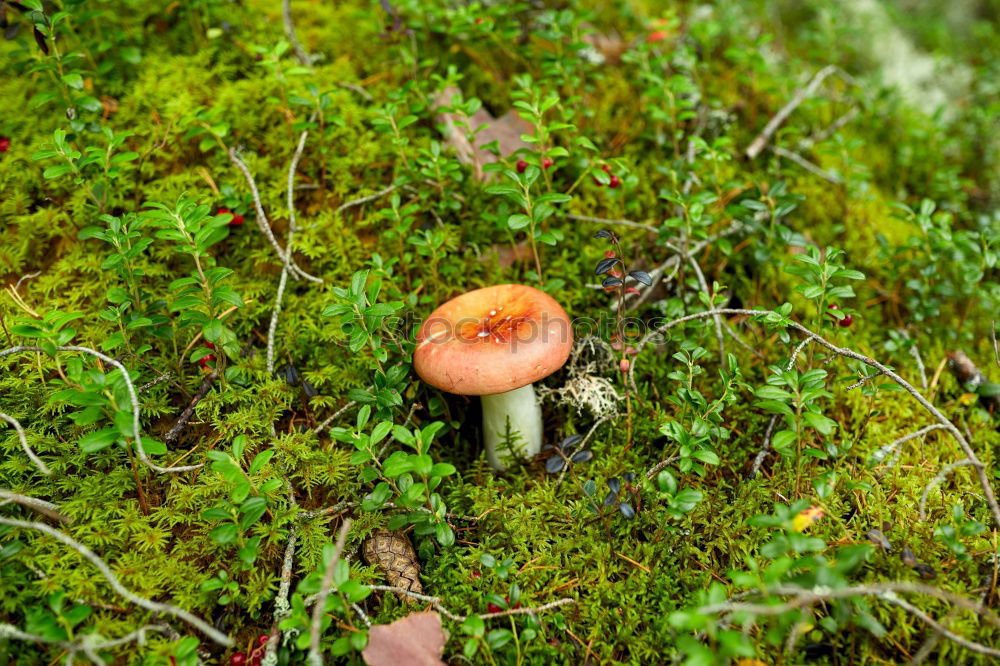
512 426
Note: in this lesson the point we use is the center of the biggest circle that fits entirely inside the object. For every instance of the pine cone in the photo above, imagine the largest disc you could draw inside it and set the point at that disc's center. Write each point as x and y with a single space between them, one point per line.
394 556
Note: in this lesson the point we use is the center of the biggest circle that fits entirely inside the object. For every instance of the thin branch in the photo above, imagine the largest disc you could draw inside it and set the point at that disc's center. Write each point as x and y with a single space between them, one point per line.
314 657
438 605
265 227
363 200
807 165
292 227
41 506
622 223
86 644
159 380
120 589
936 481
966 447
358 89
329 420
798 97
884 451
182 420
24 443
133 398
300 53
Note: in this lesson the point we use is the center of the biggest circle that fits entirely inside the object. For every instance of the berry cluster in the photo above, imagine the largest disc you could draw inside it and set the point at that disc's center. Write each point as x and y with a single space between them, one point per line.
256 654
4 144
547 163
237 218
614 181
843 322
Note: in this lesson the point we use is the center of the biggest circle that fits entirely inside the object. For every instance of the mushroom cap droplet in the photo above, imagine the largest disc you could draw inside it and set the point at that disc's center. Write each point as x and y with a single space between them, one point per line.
493 340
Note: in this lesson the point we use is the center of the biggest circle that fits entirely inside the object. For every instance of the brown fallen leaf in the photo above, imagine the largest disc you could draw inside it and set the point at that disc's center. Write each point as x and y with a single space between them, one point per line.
415 640
505 130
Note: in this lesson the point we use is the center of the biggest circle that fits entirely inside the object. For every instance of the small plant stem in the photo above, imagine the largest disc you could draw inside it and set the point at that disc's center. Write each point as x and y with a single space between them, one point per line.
138 484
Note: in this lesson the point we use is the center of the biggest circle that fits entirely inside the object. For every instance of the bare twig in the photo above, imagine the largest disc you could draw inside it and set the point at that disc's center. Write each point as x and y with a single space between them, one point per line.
936 481
284 255
363 200
884 451
300 53
281 606
41 506
182 420
356 88
87 644
330 419
807 165
159 380
864 380
120 589
966 447
316 622
438 605
798 97
24 443
133 398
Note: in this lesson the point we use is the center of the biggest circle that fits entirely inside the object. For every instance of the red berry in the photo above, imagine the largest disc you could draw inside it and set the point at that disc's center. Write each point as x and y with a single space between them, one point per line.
623 365
521 166
238 659
846 321
609 254
547 162
615 181
833 306
479 20
208 344
656 36
476 574
4 144
237 220
598 183
264 638
205 360
507 599
605 168
493 608
222 211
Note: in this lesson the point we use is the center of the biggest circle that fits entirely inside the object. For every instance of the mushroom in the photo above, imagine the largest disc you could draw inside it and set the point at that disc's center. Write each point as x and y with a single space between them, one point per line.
495 342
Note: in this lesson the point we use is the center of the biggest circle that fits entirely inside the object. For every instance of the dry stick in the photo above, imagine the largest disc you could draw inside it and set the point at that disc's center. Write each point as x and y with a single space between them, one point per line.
281 607
657 274
884 451
24 443
655 469
279 296
340 411
159 380
827 132
300 53
621 223
105 570
966 447
438 605
86 644
800 96
363 200
265 227
807 165
356 88
133 398
182 420
947 633
314 657
937 480
41 506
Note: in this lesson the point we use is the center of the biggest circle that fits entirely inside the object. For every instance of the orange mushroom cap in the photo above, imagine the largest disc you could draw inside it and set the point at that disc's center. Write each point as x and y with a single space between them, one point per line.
493 340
